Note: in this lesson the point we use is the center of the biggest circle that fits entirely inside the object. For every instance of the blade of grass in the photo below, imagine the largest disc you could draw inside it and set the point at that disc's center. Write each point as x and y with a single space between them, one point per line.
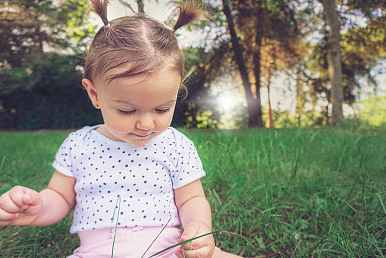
156 238
116 223
381 201
181 243
2 164
297 164
230 192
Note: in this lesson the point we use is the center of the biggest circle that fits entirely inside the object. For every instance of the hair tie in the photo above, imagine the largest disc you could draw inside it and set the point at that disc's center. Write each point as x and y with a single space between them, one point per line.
107 26
173 30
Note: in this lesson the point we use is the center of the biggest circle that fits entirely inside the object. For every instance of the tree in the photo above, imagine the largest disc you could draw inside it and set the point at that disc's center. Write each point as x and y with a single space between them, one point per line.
251 24
286 44
29 28
361 46
334 60
253 104
41 54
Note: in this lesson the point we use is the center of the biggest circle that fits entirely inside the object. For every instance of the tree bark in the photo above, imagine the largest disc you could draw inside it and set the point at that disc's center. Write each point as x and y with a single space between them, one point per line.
269 121
253 104
334 61
258 120
300 95
141 7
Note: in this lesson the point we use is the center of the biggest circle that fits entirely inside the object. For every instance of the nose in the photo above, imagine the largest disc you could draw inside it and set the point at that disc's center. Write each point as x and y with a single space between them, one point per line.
145 122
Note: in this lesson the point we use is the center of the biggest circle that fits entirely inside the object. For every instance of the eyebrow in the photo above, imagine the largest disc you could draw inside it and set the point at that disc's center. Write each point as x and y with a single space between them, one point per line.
126 102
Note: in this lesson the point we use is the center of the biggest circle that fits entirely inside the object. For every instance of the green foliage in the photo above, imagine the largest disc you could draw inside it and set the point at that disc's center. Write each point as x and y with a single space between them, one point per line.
362 45
78 31
306 119
40 88
373 111
28 74
45 93
28 28
199 119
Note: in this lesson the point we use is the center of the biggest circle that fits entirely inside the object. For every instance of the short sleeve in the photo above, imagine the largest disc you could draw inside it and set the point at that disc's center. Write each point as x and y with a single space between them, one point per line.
189 166
63 162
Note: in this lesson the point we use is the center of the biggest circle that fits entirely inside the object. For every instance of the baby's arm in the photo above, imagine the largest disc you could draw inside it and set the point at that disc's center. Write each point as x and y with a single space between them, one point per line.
24 206
196 219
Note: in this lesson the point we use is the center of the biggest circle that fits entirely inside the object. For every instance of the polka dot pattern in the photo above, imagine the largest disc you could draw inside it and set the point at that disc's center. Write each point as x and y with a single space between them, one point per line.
144 178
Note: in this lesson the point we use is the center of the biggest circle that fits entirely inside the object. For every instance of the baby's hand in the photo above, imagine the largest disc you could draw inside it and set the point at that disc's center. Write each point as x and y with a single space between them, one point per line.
201 247
19 206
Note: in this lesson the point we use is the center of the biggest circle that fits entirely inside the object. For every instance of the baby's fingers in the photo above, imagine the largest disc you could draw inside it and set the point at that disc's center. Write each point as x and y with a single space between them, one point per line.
23 197
190 253
193 245
189 232
6 218
9 211
9 205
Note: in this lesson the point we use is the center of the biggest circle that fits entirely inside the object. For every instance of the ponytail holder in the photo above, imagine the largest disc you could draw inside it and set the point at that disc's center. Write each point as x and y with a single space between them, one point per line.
107 26
173 30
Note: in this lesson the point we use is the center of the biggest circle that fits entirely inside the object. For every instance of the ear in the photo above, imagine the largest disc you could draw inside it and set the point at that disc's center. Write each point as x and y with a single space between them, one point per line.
92 92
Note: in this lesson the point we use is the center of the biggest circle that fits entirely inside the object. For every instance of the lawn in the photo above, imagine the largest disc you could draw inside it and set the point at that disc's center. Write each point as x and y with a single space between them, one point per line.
274 193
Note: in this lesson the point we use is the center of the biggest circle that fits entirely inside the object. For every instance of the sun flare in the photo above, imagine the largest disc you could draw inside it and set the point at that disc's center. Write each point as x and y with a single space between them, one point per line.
227 102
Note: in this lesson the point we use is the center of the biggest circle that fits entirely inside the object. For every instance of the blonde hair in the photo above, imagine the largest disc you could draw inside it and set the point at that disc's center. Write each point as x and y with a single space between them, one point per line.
139 41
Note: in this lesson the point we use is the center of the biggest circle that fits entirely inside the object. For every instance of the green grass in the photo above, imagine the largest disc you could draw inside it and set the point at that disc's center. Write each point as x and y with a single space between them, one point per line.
273 193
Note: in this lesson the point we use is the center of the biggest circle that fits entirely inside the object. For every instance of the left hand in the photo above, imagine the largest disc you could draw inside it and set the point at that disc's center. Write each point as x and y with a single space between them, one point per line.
202 247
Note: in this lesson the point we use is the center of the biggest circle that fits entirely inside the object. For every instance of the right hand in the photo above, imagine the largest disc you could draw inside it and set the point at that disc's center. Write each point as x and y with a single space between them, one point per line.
19 206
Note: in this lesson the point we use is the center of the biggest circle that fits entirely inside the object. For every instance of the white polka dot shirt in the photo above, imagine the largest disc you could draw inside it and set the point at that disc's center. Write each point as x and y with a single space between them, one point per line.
143 177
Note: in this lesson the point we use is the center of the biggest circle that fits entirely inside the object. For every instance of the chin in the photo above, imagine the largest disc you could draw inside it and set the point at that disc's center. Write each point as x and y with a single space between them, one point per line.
138 142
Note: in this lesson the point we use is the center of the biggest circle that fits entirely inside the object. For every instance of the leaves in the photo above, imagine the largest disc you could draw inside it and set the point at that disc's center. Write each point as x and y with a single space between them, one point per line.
28 28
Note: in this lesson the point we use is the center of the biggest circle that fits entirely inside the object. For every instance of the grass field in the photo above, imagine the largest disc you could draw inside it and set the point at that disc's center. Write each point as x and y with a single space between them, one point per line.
273 193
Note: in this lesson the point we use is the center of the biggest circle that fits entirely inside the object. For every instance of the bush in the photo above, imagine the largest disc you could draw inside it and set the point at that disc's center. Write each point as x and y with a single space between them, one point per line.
45 93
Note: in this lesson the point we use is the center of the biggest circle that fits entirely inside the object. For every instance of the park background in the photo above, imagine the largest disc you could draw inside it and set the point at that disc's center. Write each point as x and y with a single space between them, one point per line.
291 94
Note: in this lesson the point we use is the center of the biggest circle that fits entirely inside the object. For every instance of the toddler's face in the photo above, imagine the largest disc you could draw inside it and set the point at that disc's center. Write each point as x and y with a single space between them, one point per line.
136 109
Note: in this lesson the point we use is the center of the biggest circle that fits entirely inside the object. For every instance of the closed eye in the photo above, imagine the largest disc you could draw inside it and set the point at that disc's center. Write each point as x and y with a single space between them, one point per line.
162 110
126 112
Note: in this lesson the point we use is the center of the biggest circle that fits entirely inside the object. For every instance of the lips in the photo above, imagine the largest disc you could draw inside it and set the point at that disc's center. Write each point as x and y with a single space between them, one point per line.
142 135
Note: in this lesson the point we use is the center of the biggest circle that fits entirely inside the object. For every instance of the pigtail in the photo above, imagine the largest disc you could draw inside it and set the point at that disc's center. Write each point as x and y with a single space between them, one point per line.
100 7
188 12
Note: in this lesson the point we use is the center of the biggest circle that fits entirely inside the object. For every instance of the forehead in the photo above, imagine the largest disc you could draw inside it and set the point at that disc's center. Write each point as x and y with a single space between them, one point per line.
126 63
117 74
156 87
133 68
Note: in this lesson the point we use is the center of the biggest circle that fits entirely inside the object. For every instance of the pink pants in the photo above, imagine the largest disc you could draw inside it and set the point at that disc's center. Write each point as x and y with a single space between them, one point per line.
129 242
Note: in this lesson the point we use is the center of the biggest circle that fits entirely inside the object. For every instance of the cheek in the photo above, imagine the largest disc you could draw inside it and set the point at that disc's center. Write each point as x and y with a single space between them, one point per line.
164 122
117 122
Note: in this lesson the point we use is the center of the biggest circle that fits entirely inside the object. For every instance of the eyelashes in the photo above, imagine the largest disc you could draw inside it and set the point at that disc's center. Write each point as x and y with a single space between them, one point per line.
162 110
126 112
129 112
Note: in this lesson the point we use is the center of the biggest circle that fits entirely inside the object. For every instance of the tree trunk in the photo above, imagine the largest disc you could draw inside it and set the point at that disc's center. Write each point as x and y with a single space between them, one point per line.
253 104
257 116
141 7
300 95
256 56
269 121
334 60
